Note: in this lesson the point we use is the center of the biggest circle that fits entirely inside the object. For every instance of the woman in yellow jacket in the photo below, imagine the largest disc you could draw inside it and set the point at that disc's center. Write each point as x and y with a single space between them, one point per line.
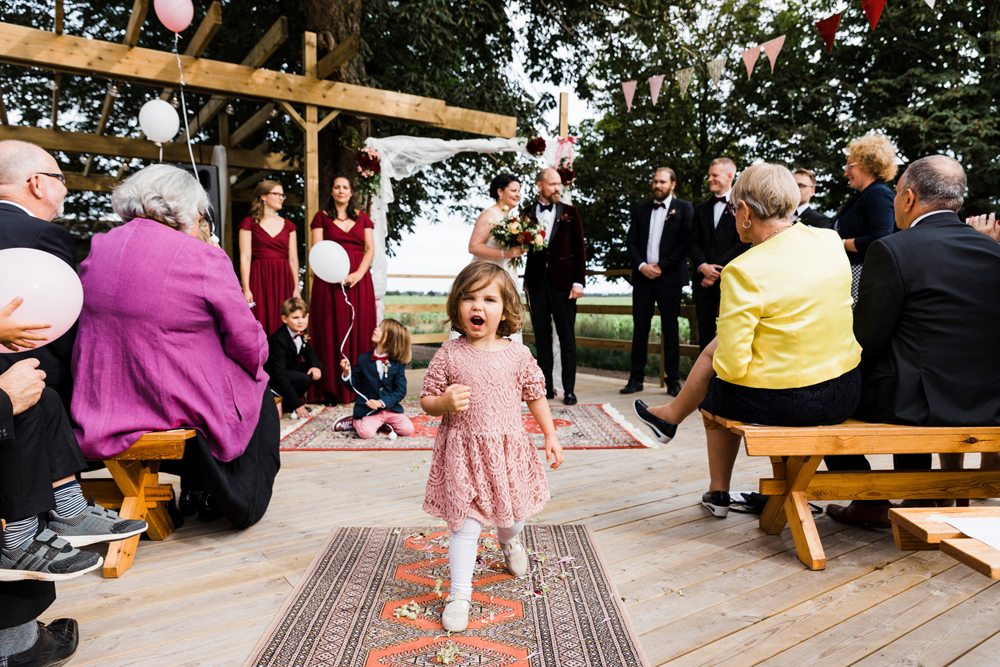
785 354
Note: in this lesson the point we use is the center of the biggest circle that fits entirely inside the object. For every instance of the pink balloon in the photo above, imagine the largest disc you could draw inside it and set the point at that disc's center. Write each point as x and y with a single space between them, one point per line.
51 289
175 15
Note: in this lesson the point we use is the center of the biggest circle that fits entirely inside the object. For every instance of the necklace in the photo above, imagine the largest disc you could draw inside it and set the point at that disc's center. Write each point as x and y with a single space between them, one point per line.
776 231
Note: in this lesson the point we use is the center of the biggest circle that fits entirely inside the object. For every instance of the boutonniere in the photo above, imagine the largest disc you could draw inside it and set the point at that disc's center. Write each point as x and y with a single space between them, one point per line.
564 218
671 213
385 367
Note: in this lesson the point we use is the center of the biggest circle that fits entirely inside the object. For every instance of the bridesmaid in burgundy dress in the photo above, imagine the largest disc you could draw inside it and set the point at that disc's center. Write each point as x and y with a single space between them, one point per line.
331 315
269 257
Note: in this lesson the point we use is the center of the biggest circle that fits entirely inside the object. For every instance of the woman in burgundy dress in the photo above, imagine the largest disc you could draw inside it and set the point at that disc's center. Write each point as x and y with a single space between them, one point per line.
269 256
331 314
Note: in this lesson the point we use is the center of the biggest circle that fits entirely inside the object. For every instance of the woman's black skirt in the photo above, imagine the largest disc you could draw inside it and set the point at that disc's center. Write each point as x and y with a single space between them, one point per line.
830 402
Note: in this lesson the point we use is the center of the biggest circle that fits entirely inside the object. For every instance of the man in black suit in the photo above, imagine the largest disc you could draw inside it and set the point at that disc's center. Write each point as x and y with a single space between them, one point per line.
554 279
715 243
804 213
658 243
927 319
32 189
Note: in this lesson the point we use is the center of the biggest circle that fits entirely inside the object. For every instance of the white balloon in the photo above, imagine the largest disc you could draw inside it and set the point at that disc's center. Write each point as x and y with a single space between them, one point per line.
159 120
50 287
329 261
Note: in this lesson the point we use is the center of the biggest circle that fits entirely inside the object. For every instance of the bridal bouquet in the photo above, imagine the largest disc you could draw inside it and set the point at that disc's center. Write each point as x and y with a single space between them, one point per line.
514 230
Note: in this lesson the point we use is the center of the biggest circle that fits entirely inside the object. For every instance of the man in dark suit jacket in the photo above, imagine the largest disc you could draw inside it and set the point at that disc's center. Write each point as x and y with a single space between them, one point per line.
554 279
927 319
31 194
715 242
291 362
804 213
658 242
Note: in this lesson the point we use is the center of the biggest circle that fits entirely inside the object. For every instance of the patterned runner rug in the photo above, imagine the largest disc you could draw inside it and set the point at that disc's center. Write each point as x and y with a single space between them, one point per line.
578 427
373 597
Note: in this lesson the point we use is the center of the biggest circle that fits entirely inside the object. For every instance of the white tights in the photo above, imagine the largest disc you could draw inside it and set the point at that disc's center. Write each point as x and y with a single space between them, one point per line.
463 545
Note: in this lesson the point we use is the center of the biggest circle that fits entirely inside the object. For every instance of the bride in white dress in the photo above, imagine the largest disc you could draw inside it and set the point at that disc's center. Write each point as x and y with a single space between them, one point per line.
506 190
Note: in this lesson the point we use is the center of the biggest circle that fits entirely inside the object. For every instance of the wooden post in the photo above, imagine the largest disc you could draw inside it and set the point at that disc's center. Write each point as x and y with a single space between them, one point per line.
563 115
311 149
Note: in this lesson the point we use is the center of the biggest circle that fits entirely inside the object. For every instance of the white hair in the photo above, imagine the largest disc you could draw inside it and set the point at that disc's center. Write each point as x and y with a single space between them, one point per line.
19 160
163 193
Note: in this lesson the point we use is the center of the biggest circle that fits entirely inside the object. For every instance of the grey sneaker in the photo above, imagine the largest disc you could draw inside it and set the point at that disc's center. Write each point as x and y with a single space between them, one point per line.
95 524
46 558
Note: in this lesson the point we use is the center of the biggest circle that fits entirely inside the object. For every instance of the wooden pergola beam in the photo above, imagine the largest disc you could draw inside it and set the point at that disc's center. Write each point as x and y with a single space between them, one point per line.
258 55
209 25
57 28
135 21
31 47
92 183
252 125
82 142
338 57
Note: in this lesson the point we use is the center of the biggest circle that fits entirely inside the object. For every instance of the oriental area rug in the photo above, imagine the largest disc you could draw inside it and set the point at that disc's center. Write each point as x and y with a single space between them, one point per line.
578 427
373 597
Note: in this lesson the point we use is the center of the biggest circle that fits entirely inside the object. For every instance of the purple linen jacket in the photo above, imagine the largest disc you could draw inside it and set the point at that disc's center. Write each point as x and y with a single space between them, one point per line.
166 340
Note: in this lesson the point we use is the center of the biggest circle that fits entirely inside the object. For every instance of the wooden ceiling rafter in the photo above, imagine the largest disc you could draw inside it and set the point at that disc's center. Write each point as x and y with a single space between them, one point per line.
254 123
338 56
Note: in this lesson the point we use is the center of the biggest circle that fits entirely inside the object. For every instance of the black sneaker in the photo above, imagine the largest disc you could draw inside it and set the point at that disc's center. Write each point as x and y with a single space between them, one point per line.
663 430
55 645
673 387
47 557
716 502
631 387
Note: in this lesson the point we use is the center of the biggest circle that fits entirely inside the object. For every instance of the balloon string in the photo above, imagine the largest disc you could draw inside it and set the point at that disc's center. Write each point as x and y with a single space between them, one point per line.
348 334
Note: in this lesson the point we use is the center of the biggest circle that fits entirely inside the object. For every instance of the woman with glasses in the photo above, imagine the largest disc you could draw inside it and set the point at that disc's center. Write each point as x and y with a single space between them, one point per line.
868 214
269 256
786 353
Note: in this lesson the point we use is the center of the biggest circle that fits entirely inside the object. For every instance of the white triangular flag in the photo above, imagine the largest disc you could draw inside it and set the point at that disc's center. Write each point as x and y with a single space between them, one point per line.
930 3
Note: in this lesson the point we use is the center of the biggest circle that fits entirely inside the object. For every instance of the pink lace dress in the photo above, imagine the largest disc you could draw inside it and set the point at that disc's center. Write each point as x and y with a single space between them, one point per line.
484 465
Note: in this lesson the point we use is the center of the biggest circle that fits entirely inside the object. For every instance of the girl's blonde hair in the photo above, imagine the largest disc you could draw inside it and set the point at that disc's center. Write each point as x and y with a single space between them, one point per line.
396 341
257 207
475 277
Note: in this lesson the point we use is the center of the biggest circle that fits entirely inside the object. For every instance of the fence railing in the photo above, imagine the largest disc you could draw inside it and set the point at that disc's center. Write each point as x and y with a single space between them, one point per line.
687 312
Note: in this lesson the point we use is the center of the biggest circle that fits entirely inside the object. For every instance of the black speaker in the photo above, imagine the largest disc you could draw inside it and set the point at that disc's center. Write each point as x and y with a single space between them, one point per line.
208 176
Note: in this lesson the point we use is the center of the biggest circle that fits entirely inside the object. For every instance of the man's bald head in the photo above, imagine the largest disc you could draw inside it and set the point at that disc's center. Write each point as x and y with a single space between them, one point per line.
937 181
22 178
549 184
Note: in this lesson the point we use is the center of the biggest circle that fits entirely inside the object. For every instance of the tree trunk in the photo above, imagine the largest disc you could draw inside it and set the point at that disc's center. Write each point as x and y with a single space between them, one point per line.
334 21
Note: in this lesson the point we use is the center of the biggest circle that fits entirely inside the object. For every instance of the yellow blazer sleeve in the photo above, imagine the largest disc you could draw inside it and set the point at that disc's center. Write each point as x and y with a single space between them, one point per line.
740 310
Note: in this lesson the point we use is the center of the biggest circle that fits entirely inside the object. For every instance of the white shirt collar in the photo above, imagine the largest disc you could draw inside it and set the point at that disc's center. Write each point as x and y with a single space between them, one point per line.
726 195
20 206
944 210
801 208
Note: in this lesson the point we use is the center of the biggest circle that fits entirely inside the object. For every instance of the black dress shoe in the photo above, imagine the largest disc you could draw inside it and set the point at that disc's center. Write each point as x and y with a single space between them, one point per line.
673 387
188 503
861 514
569 398
55 646
174 514
631 388
663 430
207 510
549 394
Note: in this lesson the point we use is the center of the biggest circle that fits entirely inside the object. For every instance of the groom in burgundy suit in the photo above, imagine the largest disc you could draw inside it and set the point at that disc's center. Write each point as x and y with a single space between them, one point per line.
554 279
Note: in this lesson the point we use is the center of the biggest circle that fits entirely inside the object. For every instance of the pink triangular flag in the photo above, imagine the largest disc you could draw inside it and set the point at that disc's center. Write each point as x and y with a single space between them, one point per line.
930 3
750 59
873 10
655 83
772 49
628 87
828 30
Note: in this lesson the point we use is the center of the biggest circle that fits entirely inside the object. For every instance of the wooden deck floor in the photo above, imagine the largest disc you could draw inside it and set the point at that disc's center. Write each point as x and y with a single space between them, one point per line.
700 590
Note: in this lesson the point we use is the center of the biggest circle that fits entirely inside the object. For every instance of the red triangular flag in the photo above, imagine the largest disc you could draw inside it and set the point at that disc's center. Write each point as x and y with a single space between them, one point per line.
750 59
873 10
655 83
628 87
828 30
772 49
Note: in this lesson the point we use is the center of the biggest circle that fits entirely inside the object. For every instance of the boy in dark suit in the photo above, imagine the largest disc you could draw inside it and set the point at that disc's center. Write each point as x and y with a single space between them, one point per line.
291 362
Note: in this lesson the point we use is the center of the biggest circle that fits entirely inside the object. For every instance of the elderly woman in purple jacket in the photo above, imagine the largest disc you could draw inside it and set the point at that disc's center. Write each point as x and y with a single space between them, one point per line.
167 340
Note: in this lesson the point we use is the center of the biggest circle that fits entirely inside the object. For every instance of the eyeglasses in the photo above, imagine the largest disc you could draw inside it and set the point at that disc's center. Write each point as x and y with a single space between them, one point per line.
804 186
279 195
849 165
60 177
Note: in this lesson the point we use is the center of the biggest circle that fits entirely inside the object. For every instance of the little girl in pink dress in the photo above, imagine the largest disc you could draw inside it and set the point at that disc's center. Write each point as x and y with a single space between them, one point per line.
485 470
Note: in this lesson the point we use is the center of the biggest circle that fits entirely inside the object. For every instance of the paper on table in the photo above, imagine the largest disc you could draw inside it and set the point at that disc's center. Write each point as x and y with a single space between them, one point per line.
986 530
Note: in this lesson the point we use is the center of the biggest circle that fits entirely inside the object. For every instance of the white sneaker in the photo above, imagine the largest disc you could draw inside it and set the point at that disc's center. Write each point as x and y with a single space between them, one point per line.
515 557
455 617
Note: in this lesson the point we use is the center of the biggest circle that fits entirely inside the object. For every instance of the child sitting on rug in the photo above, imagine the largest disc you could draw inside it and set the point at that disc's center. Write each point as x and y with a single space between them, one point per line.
379 380
485 470
291 363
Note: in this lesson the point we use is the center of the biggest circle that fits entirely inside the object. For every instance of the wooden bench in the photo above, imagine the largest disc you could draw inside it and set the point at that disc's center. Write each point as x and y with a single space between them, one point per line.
918 528
135 491
796 454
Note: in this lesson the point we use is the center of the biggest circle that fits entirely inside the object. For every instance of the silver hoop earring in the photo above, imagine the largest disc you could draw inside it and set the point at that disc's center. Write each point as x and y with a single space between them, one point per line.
746 224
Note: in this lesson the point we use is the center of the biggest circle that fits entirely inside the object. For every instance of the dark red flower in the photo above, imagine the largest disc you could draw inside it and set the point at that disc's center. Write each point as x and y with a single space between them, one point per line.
536 146
542 232
567 175
525 237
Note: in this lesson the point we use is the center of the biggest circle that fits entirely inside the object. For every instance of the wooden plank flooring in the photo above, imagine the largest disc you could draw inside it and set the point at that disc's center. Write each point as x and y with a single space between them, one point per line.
700 590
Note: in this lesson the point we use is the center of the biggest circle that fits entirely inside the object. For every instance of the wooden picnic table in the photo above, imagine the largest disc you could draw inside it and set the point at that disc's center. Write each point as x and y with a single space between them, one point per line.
919 528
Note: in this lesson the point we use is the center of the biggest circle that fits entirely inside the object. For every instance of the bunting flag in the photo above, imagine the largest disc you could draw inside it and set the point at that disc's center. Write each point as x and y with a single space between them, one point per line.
628 87
683 79
715 68
750 59
772 49
655 83
873 10
930 3
828 30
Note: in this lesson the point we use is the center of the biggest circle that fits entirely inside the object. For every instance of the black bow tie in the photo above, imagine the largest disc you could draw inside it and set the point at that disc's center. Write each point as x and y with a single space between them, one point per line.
545 207
659 204
719 198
